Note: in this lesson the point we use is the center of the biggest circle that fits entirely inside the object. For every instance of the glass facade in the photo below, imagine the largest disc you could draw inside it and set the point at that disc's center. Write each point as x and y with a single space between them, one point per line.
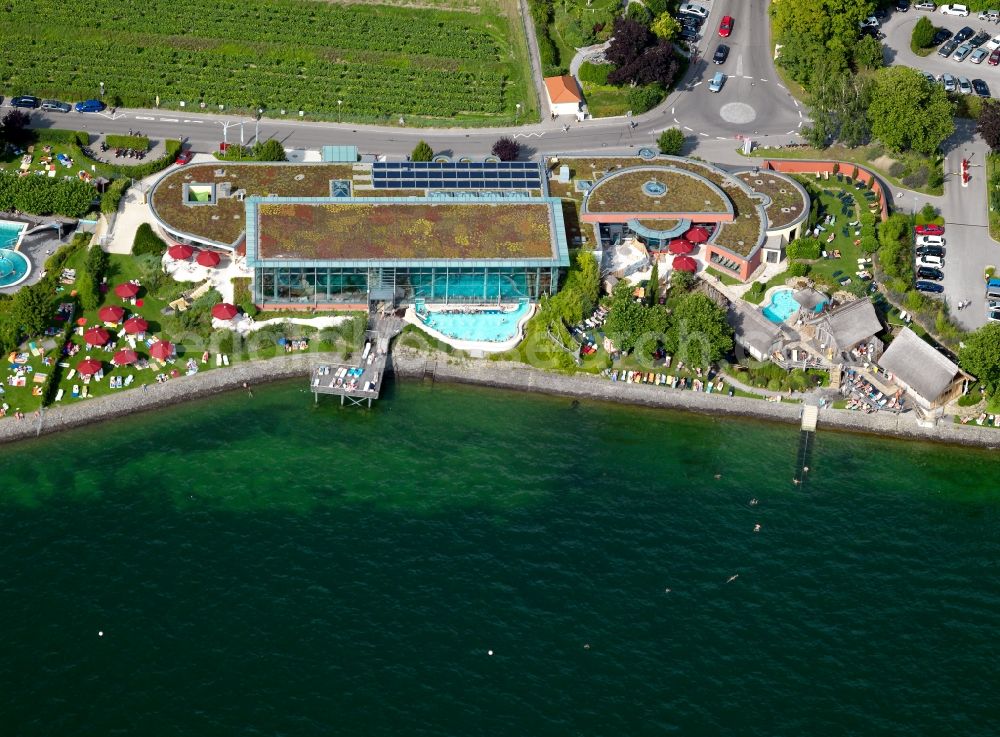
451 284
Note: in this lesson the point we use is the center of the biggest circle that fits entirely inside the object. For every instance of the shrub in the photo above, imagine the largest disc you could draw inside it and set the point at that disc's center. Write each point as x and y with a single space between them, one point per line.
798 269
269 150
923 34
141 171
422 152
595 73
56 136
671 141
147 242
935 178
45 196
917 178
756 291
113 195
897 169
869 244
135 142
806 247
644 98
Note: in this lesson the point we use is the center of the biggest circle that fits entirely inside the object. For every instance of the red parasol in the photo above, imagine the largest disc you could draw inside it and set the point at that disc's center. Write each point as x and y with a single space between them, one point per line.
125 357
136 325
224 311
88 367
96 336
111 313
180 251
209 258
680 246
127 290
81 321
685 263
162 350
697 234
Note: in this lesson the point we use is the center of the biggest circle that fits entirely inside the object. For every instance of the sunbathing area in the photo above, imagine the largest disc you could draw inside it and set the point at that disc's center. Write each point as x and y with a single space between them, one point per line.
387 229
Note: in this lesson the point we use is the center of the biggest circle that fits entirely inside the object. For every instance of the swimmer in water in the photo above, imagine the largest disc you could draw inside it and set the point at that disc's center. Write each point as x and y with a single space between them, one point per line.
718 475
753 502
733 578
756 527
795 481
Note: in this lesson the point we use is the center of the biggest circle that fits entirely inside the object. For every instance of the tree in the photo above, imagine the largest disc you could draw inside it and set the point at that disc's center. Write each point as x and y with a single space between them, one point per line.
13 128
868 53
639 13
980 355
506 149
699 334
269 150
151 272
671 142
683 281
923 34
988 125
653 285
643 98
666 26
630 323
422 152
658 64
629 41
32 309
908 112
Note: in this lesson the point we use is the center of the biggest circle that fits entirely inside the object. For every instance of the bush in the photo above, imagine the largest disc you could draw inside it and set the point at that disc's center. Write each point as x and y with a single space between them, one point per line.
671 141
806 247
935 179
923 35
897 169
113 195
868 244
140 143
269 150
147 242
595 73
644 98
798 269
45 196
756 291
422 152
916 179
56 136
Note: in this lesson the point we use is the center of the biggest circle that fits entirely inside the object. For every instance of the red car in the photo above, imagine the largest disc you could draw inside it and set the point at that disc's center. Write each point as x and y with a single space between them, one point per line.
994 58
726 27
929 229
184 157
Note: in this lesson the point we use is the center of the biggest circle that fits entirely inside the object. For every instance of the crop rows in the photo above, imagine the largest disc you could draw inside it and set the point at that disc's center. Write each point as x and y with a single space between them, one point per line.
369 91
290 22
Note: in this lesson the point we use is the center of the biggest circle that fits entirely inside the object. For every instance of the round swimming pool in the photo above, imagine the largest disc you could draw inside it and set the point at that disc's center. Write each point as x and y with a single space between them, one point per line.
14 267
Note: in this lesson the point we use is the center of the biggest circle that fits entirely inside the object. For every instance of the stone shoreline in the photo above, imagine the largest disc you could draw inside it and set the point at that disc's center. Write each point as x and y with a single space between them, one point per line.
503 375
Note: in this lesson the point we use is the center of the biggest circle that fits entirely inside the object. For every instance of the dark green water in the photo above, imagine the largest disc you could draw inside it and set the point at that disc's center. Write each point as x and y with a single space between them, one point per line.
262 567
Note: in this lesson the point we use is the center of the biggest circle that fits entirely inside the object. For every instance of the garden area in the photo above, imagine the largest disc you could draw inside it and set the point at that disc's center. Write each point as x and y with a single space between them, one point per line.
352 61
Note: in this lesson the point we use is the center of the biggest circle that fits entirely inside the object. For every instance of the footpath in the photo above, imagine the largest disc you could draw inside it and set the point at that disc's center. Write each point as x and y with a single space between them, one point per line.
412 365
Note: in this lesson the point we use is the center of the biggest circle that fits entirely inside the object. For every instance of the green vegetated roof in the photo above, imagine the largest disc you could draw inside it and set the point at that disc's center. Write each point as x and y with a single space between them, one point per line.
787 203
623 192
745 232
658 224
403 230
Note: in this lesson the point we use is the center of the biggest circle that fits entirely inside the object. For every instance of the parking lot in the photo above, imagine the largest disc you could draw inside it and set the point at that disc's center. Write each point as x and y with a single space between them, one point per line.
899 27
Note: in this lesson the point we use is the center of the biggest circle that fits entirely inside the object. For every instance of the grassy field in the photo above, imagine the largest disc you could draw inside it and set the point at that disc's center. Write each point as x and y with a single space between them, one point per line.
383 61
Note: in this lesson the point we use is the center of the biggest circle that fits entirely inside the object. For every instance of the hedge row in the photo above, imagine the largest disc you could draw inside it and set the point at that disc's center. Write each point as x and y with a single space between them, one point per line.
113 195
140 143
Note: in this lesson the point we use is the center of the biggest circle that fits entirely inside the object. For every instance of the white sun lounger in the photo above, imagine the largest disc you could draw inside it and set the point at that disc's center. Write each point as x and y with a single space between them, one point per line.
59 395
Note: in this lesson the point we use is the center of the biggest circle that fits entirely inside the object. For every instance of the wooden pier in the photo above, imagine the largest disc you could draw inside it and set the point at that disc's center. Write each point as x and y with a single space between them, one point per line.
359 381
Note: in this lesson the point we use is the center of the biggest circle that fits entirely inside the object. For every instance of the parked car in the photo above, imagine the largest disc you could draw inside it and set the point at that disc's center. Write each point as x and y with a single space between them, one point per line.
717 81
949 82
991 16
959 10
689 33
930 287
90 106
721 54
981 88
965 34
726 26
940 36
993 315
929 77
56 105
691 20
929 229
993 44
926 7
927 272
692 9
934 262
978 56
964 86
873 32
961 52
980 38
930 240
902 5
947 48
930 251
25 101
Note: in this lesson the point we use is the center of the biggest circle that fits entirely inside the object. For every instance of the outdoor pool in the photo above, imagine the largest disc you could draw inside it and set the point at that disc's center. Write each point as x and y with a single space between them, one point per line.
13 267
487 326
782 305
10 232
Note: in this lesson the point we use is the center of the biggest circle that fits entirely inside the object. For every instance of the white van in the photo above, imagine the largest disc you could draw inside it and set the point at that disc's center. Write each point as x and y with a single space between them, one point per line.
935 262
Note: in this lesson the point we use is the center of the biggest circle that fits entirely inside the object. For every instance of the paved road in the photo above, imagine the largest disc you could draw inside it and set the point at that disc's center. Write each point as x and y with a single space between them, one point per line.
899 28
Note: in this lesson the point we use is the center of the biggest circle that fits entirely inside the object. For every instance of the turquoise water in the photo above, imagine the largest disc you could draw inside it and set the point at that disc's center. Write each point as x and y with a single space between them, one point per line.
782 305
268 566
492 326
9 233
13 267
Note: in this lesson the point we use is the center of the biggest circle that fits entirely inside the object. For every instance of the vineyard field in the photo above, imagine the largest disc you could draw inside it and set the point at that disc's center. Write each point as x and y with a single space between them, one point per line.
426 65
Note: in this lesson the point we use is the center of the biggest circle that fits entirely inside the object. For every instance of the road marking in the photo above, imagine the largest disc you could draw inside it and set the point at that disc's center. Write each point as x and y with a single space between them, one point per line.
677 121
763 80
800 124
533 134
721 138
688 129
790 132
194 121
697 83
703 134
747 77
783 87
673 111
169 120
800 113
144 117
739 64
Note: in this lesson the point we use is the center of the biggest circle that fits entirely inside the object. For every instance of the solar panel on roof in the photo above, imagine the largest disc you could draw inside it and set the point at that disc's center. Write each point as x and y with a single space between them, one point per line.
457 175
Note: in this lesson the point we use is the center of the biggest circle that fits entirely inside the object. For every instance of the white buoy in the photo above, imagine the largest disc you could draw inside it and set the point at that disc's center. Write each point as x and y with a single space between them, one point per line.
489 652
100 633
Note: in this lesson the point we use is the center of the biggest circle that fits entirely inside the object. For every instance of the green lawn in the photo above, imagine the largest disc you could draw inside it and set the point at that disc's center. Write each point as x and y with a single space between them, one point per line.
605 101
724 278
845 209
